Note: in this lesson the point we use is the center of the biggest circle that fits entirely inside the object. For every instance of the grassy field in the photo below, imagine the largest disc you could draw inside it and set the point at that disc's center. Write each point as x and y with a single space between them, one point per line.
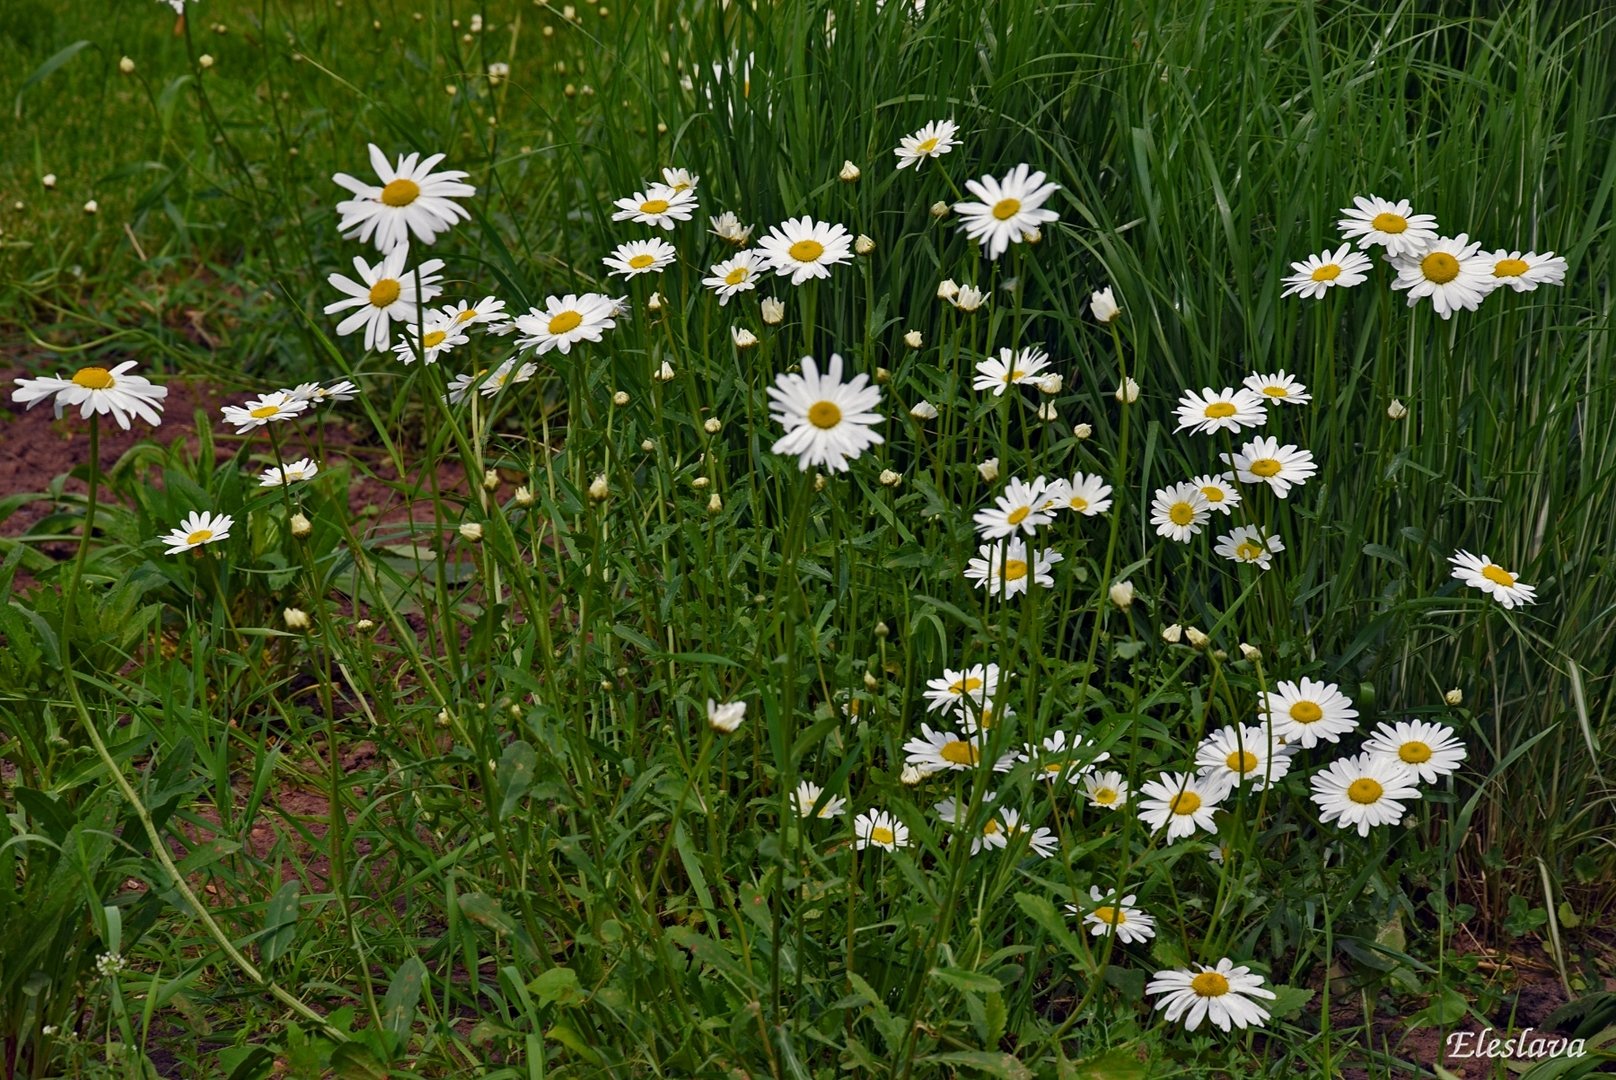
430 788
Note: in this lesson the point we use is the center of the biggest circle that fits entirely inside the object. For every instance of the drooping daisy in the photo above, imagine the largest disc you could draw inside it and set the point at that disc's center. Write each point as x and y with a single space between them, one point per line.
1307 713
1431 750
1222 994
1178 512
320 394
489 311
1011 368
1263 460
383 293
1004 568
657 205
877 828
428 342
197 529
1180 803
1484 574
828 422
990 835
294 473
488 383
1105 789
1085 494
803 248
410 199
97 391
1220 410
735 275
565 321
1057 757
936 751
268 409
932 141
950 691
1364 791
1450 271
1116 916
639 257
1237 755
807 796
727 226
1277 388
1375 221
1318 274
1246 544
1524 271
1011 209
1221 494
680 179
1041 842
1016 510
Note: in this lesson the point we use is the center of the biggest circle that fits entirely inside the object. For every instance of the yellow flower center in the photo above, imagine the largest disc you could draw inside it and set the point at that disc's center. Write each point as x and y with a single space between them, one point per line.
1105 796
1327 272
654 206
1219 409
927 147
563 321
1510 268
264 412
1213 493
433 338
1276 391
384 293
961 686
94 378
1265 466
1390 223
881 835
1364 791
824 415
401 192
1415 752
1054 767
1014 569
1182 513
1111 915
1018 515
1014 375
1185 803
201 536
1005 209
1439 267
991 828
1306 712
735 276
1498 576
466 316
959 752
806 250
641 261
1241 761
1248 551
1209 984
1078 502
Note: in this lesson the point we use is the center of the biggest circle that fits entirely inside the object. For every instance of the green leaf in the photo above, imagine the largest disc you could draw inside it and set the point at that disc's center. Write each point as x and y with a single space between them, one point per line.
398 1008
558 986
1288 1001
280 923
1447 1008
1041 911
990 1062
971 981
1118 1063
43 71
517 770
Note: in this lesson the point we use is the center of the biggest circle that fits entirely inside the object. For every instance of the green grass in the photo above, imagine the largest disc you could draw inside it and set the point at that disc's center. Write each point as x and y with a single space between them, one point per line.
546 863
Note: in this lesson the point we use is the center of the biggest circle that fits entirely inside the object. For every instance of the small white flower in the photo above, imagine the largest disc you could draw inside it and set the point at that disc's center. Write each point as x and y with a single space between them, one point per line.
1103 306
296 472
727 717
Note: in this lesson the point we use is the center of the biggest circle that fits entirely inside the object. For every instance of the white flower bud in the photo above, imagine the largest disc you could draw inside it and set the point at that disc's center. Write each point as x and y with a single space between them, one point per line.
700 483
471 532
989 469
1103 305
1082 431
490 480
939 209
1396 410
871 683
1454 697
1250 652
1122 594
648 445
663 373
924 410
48 180
1172 634
970 298
947 290
863 245
92 207
301 526
654 302
1128 392
820 481
296 618
1051 383
204 61
849 173
364 626
1047 412
882 375
715 504
1196 638
524 496
598 490
911 775
890 478
620 398
774 311
743 338
913 339
712 425
727 717
127 66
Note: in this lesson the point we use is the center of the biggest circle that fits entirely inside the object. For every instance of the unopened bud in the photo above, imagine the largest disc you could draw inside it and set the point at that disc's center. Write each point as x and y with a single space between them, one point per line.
1396 410
890 478
301 526
913 339
871 682
1128 392
1454 697
715 504
712 425
924 410
1250 652
1047 412
654 302
524 496
127 66
1082 431
743 338
939 209
989 469
701 483
296 618
620 398
598 489
1051 383
1172 634
648 445
849 173
364 626
663 373
947 289
1196 638
882 375
1122 594
863 245
820 481
490 480
774 311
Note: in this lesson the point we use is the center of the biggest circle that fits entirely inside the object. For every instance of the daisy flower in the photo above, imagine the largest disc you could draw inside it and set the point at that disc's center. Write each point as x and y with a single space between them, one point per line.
1180 803
1178 512
298 471
1010 210
1017 510
1003 569
1484 574
1248 545
1263 460
1221 494
807 797
411 199
1011 368
564 322
991 835
1450 271
1085 494
978 716
1058 757
828 422
260 411
97 391
1117 917
679 180
639 257
1364 791
658 204
1233 755
1524 271
1041 842
1307 713
1220 410
880 829
1375 221
932 141
198 529
936 751
488 383
803 248
727 226
1222 994
735 275
1105 789
950 691
1431 750
1278 387
1318 274
318 394
384 292
489 311
437 335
